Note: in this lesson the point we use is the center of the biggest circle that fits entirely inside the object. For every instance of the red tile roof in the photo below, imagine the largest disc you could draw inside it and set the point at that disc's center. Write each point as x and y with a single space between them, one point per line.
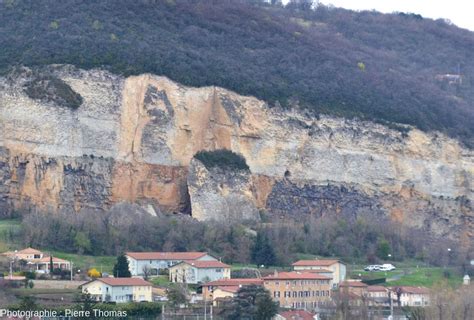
166 255
296 275
47 260
231 289
205 264
412 290
376 289
353 284
123 281
315 263
235 282
29 250
297 315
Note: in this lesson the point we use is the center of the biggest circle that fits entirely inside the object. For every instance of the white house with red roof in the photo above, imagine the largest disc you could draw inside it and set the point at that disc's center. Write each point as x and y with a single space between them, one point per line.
156 261
199 271
119 290
337 268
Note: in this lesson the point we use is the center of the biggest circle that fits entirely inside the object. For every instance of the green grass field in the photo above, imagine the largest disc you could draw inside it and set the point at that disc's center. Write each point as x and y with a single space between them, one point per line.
84 262
427 277
161 281
413 276
6 227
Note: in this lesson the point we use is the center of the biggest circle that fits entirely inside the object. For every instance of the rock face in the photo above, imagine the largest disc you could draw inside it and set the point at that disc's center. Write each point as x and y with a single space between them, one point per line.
132 139
220 194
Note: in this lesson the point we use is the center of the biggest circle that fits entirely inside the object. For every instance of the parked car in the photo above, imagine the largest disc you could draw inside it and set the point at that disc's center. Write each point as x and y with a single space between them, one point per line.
387 267
372 268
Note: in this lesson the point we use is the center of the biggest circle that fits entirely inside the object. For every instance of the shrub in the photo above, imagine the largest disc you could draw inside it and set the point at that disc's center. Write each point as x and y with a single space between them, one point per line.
94 273
52 89
222 158
28 275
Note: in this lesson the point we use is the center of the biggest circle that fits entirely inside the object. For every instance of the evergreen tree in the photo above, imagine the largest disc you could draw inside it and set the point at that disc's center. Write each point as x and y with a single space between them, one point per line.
251 302
262 251
121 267
51 265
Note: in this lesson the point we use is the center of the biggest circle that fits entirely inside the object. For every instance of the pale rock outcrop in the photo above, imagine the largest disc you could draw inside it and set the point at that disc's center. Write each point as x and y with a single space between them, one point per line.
132 139
221 194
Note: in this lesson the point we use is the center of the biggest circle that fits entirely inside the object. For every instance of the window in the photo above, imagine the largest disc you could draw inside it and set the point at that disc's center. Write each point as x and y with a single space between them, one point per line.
218 270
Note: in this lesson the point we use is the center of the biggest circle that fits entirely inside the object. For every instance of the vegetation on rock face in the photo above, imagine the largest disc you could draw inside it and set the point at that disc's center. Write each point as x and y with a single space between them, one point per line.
388 68
222 158
53 89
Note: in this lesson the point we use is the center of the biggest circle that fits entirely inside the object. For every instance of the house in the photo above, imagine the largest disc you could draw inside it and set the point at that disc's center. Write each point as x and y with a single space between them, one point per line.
378 295
198 271
336 266
119 290
27 254
411 296
296 315
224 288
223 294
354 286
43 264
38 261
156 261
299 290
324 272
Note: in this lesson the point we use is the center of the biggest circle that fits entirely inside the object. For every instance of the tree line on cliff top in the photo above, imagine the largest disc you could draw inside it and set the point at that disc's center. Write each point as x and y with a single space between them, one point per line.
381 67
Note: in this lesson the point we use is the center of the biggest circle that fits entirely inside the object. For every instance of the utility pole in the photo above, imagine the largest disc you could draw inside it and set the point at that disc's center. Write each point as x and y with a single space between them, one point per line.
11 269
391 305
72 268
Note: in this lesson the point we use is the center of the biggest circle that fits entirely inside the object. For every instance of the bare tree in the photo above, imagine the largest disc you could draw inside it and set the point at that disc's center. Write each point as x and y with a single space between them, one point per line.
147 272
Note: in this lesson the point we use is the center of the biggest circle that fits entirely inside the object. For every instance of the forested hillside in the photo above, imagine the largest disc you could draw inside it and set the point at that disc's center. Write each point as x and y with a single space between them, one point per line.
388 68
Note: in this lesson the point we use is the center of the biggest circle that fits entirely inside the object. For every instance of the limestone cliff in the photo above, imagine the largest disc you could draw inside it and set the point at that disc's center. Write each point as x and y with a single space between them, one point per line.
220 194
133 139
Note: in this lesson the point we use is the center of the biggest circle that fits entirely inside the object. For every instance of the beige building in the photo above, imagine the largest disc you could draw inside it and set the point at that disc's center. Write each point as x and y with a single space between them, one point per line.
411 296
27 254
337 268
354 286
197 271
43 264
119 290
225 288
299 290
378 295
37 260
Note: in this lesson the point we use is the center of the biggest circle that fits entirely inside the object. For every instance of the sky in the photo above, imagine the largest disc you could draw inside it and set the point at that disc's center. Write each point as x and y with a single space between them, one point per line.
460 12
